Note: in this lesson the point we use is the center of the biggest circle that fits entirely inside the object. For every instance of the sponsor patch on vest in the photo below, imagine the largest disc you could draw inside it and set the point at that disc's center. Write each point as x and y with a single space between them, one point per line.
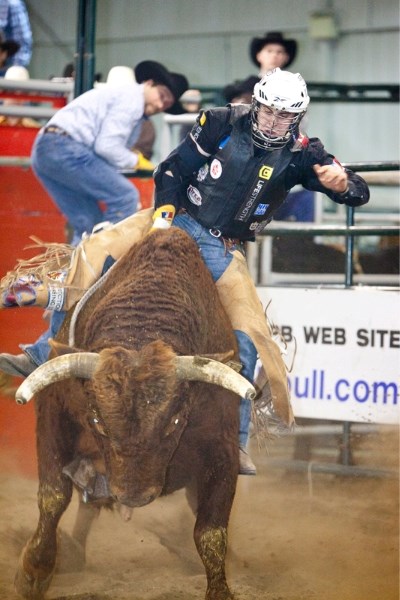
195 134
202 172
251 201
262 225
203 119
215 169
265 172
194 195
261 210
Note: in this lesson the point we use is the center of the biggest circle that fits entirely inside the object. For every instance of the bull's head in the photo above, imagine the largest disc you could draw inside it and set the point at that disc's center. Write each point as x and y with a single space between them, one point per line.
135 407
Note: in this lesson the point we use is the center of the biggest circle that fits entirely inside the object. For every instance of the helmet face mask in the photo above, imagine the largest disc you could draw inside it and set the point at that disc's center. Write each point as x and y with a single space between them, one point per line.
280 101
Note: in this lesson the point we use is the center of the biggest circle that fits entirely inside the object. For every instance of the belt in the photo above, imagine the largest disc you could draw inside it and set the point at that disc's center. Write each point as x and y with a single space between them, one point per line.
54 129
227 241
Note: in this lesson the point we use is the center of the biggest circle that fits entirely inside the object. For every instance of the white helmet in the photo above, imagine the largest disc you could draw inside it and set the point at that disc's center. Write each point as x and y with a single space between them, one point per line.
285 94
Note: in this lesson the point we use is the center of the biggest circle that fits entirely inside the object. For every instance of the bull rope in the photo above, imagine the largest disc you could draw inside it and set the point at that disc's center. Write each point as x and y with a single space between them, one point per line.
86 296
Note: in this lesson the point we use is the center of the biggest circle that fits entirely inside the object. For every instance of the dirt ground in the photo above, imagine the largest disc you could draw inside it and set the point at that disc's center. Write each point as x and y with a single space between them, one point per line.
293 536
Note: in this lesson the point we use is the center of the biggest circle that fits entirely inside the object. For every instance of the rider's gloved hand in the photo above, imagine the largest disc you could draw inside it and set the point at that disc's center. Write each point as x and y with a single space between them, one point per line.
143 164
163 217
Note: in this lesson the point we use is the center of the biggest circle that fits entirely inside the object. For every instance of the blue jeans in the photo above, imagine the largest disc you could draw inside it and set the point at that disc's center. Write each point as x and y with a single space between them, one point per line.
218 259
78 179
39 351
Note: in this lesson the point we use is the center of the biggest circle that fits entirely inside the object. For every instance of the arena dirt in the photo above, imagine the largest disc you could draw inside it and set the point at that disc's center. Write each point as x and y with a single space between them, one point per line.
293 536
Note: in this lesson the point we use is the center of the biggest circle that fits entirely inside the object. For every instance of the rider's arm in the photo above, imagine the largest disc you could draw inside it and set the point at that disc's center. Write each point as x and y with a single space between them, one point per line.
172 175
322 172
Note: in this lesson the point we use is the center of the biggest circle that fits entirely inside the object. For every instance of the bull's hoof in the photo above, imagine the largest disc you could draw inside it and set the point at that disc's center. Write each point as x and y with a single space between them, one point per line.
28 587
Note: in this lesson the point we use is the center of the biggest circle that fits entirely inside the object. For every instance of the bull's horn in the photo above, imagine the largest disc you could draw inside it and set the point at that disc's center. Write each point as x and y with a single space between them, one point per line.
199 368
81 364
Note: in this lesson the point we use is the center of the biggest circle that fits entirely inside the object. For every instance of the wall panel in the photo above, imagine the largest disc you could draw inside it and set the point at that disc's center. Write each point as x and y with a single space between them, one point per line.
209 41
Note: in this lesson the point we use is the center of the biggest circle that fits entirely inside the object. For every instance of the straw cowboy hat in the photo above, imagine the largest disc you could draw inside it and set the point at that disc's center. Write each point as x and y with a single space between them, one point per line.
175 82
273 37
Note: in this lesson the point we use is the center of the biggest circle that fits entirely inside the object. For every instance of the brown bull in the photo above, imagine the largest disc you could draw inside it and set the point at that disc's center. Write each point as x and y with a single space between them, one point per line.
151 418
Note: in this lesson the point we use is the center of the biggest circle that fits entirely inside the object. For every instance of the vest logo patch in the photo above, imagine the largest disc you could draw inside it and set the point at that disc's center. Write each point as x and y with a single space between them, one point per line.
262 225
261 210
194 195
203 119
251 201
202 173
215 169
265 172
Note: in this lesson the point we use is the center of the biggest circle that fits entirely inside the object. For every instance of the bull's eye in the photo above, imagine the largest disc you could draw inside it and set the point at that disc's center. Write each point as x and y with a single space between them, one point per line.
172 426
99 426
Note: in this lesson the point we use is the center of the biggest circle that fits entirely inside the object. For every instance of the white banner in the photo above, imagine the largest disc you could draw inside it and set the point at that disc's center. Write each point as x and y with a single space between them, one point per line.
347 361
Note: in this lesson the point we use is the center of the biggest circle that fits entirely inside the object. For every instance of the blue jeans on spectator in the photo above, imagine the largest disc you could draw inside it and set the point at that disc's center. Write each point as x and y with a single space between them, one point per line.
217 259
78 179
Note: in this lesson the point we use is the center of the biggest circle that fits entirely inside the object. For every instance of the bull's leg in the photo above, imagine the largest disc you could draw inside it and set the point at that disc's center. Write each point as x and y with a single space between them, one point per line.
38 559
215 500
37 562
212 545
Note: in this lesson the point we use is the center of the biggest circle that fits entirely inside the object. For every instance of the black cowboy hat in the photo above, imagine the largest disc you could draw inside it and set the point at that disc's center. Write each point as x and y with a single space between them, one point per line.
176 83
273 37
242 87
10 46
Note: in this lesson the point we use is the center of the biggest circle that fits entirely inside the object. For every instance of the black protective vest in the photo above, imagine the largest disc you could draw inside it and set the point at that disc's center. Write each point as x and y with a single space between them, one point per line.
237 192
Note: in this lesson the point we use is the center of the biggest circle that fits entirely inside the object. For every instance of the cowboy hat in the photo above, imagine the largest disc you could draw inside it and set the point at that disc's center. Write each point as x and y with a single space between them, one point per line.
273 37
176 83
238 88
10 46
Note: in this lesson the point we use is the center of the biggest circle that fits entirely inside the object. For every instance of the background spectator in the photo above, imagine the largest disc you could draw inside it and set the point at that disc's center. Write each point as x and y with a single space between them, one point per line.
7 49
145 143
15 28
17 73
268 52
191 101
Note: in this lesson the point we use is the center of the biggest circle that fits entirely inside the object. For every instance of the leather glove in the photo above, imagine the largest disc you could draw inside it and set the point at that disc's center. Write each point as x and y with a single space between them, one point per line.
163 217
143 164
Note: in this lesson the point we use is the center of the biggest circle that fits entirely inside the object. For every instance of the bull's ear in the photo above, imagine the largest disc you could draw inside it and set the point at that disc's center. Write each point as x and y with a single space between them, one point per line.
57 348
